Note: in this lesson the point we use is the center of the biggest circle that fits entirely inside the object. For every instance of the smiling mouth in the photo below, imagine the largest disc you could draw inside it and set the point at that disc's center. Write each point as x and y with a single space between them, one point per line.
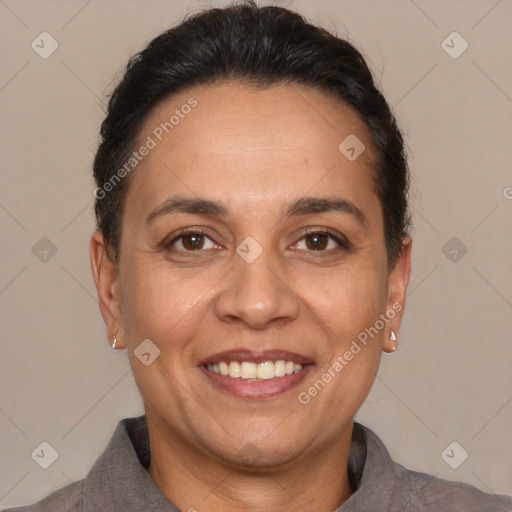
256 374
249 370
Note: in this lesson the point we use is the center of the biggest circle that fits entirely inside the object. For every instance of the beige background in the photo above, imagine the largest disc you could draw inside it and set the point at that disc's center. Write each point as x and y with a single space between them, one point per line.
450 379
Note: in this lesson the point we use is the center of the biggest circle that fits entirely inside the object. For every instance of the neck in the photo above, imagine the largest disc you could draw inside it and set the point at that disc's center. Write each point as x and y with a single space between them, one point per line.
193 482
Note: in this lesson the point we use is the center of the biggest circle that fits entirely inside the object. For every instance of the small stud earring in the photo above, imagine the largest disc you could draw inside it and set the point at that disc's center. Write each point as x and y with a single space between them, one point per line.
393 338
115 341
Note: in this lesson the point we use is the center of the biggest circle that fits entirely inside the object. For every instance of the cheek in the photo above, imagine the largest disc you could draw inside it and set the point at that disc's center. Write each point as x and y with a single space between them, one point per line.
347 304
159 304
348 300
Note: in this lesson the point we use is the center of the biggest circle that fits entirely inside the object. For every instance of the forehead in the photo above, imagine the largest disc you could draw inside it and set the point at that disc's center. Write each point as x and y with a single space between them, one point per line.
273 143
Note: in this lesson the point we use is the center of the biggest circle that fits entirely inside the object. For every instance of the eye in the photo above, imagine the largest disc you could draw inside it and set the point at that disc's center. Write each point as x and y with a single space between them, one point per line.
318 240
190 240
323 241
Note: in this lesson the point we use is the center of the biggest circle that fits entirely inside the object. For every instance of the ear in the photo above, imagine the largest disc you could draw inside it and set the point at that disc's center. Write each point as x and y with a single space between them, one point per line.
397 290
106 280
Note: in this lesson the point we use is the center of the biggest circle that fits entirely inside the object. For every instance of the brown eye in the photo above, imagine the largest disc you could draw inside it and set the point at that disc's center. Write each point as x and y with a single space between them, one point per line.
323 241
317 241
193 241
190 241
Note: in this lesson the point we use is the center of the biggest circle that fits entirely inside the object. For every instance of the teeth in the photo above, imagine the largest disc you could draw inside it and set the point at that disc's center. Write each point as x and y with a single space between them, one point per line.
248 370
234 369
266 370
280 368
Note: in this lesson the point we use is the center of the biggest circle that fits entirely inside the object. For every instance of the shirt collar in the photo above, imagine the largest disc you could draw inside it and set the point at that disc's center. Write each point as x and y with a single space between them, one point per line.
119 479
371 472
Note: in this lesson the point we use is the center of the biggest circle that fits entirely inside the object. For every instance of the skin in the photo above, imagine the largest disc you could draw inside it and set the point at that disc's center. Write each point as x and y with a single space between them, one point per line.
257 151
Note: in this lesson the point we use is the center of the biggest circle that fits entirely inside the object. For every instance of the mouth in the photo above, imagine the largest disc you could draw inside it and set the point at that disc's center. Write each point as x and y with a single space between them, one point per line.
248 374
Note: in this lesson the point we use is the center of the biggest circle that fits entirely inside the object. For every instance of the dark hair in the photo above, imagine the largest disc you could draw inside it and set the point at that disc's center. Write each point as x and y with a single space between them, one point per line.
261 46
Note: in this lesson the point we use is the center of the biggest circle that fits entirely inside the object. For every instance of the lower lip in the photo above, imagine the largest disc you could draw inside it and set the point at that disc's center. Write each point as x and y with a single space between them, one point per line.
244 388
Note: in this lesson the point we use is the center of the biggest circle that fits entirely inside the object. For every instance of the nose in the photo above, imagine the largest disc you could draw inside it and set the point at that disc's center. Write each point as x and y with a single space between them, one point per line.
257 293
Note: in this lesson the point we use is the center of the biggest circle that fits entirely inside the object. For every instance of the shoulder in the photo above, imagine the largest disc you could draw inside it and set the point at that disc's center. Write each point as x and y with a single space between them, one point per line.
424 492
127 449
391 486
66 499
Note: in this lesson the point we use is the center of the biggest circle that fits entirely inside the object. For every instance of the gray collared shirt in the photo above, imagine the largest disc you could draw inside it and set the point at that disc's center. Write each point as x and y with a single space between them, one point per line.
119 482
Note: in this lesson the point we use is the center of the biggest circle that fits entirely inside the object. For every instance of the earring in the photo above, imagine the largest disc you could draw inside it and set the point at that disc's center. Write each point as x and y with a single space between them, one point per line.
393 338
115 341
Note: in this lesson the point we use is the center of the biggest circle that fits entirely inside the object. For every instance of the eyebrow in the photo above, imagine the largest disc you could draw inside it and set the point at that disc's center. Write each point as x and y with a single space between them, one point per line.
208 207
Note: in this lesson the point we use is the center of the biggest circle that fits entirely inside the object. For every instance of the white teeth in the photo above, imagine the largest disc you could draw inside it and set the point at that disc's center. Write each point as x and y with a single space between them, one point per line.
223 367
266 370
248 370
234 369
280 368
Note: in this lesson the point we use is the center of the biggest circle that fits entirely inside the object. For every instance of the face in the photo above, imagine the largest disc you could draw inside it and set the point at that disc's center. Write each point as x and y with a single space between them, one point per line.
251 245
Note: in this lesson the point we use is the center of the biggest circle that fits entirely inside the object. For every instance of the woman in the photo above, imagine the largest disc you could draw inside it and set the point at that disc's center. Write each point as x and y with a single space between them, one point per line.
253 257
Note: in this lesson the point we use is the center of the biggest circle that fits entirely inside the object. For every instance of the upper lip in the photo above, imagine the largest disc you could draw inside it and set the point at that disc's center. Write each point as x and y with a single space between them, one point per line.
255 356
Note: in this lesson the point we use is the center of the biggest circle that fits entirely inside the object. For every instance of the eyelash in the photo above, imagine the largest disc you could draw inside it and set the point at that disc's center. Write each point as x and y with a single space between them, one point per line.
343 244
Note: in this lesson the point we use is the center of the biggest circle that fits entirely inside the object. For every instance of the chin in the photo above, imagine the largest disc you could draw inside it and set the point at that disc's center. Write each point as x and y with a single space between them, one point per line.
253 457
